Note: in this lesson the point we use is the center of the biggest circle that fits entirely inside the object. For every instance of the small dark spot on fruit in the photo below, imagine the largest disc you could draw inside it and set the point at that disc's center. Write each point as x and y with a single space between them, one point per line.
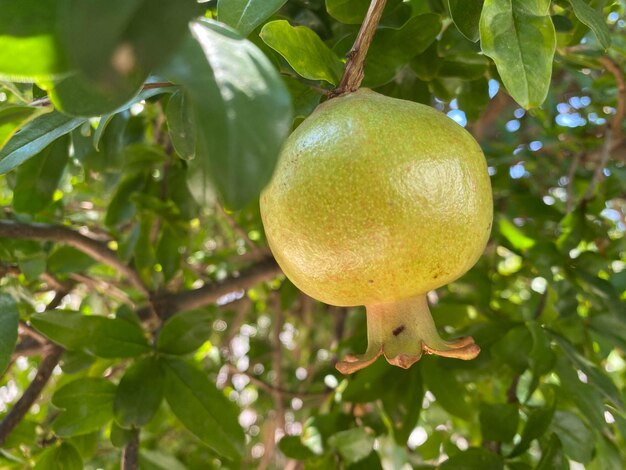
435 276
371 281
398 330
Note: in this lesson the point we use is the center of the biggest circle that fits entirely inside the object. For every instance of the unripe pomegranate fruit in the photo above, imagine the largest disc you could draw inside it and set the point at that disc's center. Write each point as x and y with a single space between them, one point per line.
376 201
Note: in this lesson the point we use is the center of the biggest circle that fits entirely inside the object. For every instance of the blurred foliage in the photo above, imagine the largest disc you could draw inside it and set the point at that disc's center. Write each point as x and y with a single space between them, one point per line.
120 123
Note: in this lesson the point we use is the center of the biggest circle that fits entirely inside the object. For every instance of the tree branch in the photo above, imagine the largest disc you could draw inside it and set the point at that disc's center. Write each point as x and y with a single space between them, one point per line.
57 233
170 304
19 410
355 65
130 454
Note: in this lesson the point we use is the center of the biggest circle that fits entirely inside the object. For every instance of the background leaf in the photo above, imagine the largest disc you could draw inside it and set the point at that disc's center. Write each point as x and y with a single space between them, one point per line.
9 318
242 101
520 38
303 50
246 15
203 409
139 394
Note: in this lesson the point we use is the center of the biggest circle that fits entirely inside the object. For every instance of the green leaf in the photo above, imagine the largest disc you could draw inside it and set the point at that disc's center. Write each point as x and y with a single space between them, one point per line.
513 348
87 406
9 319
594 20
242 110
552 457
393 47
122 209
498 422
68 260
60 457
29 46
353 445
538 421
38 178
514 236
120 437
578 440
185 332
303 50
167 251
139 394
473 459
519 36
181 125
466 17
34 137
159 460
293 448
246 15
348 11
14 117
78 96
129 39
449 392
203 409
100 336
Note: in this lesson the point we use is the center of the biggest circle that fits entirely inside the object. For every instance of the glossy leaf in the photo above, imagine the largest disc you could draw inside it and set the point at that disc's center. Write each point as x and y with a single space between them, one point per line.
60 457
203 409
15 117
38 178
78 96
348 11
552 457
578 440
87 406
181 125
9 319
448 391
129 39
242 110
186 331
519 36
34 137
498 422
466 17
246 15
303 50
100 336
536 425
594 20
139 394
353 445
29 46
474 459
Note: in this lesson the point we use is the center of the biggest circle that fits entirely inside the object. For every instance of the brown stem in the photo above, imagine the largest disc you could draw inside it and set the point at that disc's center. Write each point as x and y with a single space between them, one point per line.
57 233
620 112
355 65
19 410
130 454
170 304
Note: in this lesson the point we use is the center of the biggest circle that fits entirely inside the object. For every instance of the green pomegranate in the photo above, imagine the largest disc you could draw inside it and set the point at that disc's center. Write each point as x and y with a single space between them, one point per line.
375 201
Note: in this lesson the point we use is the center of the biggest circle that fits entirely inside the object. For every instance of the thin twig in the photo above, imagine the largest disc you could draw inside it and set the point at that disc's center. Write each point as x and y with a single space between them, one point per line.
571 175
620 111
355 65
19 410
275 391
130 454
57 233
